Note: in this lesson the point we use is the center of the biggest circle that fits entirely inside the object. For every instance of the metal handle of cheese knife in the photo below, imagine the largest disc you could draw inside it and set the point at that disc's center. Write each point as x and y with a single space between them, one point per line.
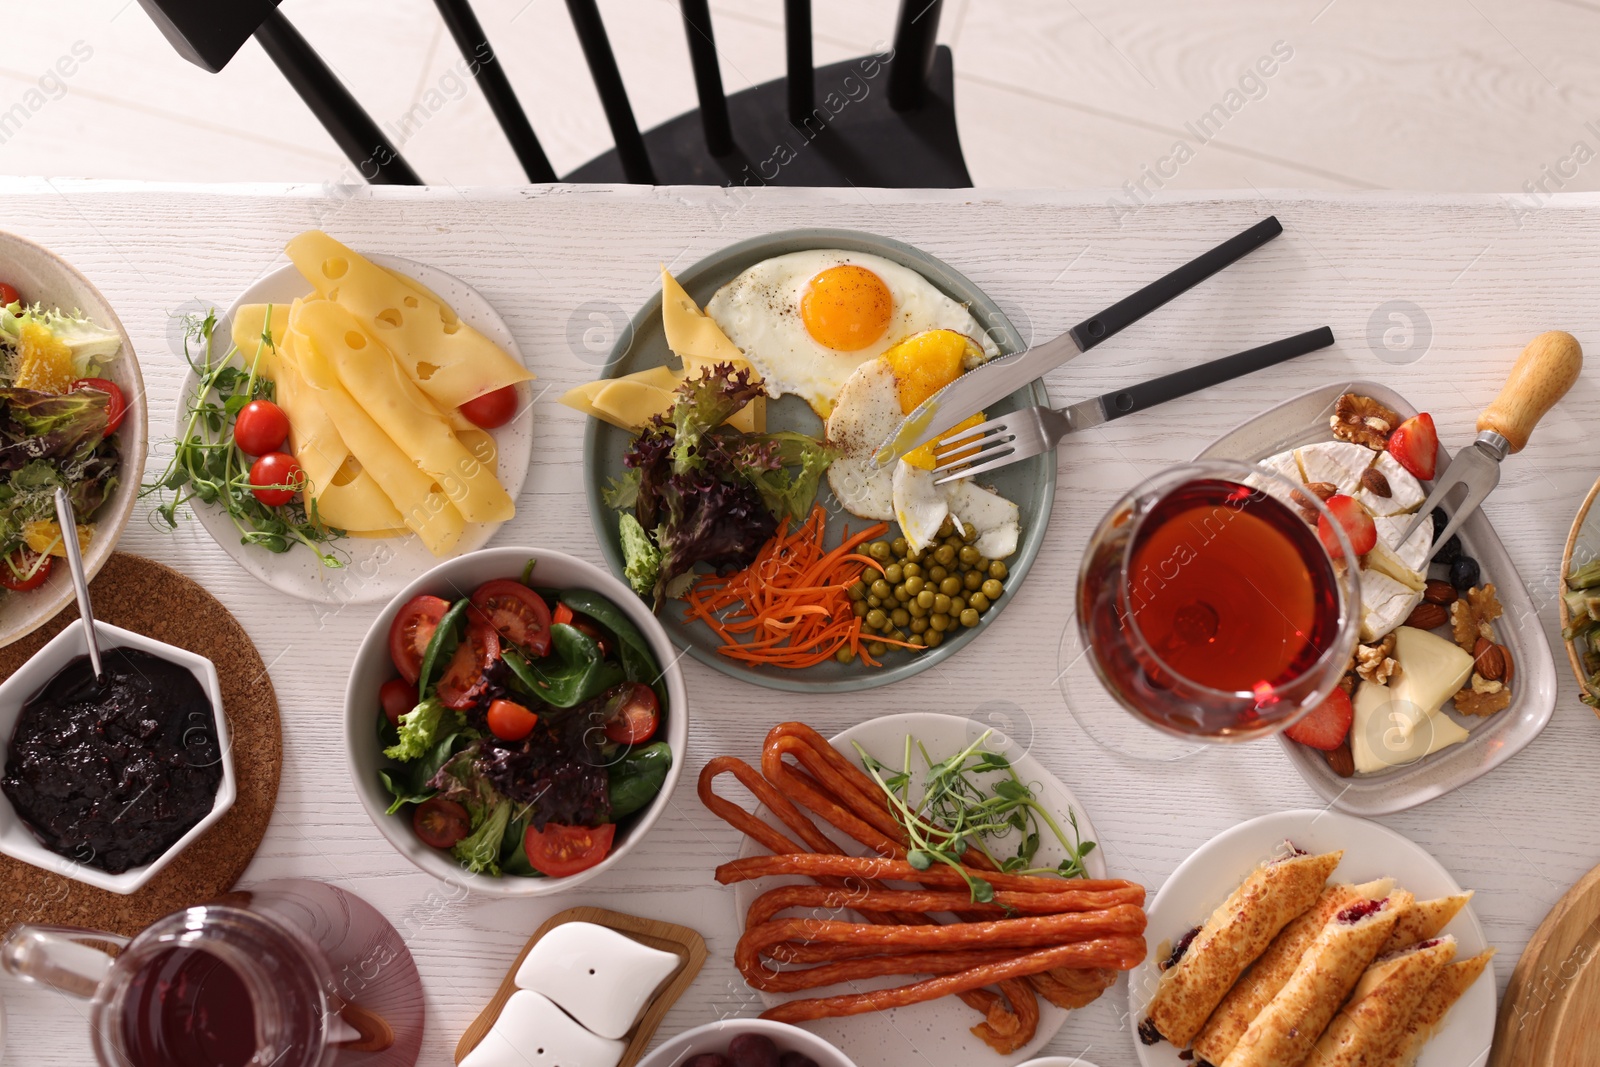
982 386
1202 376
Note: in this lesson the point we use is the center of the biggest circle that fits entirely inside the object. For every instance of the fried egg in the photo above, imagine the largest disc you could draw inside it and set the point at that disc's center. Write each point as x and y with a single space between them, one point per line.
807 320
870 406
920 507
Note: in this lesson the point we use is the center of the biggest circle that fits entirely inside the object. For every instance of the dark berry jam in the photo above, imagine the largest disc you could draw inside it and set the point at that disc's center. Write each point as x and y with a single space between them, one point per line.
1356 912
1180 948
1148 1033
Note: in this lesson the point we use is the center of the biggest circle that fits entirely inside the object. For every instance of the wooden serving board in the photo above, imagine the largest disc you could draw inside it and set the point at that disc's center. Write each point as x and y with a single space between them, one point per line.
1550 1013
688 946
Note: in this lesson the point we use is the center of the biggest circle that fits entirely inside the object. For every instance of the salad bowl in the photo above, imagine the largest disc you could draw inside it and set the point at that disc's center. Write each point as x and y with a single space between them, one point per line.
43 277
714 1038
372 667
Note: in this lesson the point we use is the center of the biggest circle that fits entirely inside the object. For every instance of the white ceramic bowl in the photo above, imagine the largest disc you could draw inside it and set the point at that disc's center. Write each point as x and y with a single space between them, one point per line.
16 840
714 1037
457 578
45 278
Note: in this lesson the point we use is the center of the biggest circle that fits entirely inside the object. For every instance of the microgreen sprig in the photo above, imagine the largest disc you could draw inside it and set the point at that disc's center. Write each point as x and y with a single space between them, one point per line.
957 812
208 467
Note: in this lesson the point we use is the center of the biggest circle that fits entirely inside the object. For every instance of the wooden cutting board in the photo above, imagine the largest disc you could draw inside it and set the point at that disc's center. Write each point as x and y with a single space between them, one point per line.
1550 1014
686 944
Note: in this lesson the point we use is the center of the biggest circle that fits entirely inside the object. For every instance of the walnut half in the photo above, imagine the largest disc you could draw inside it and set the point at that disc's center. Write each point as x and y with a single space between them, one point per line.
1471 702
1376 663
1363 420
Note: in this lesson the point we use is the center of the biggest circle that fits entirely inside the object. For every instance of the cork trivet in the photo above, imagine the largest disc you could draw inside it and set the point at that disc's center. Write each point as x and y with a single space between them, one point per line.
144 596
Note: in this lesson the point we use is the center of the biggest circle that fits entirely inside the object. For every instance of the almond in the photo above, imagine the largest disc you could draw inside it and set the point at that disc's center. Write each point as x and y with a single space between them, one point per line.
1340 759
1437 592
1428 616
1323 491
1489 660
1511 667
1373 481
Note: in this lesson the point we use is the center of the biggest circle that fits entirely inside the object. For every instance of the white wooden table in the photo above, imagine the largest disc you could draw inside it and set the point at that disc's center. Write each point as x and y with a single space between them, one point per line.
1483 278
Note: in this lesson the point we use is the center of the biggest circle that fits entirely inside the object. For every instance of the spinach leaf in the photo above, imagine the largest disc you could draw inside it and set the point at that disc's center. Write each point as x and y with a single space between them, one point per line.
410 784
441 646
638 662
513 846
571 674
637 778
400 786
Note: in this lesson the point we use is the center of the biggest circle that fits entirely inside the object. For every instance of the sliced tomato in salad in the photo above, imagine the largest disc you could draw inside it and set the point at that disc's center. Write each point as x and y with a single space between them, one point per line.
559 851
510 721
516 612
441 823
563 615
468 672
632 714
116 407
398 697
410 632
8 294
24 569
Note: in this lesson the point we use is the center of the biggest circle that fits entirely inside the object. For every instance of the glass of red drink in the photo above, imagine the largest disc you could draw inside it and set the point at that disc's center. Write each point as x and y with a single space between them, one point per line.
1212 608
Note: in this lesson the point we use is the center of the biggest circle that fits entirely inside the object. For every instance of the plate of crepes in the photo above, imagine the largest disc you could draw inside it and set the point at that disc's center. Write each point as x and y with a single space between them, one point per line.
1452 675
1313 938
728 461
350 421
919 890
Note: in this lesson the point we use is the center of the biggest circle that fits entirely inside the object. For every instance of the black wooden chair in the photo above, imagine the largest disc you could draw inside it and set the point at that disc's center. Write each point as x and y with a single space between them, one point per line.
883 120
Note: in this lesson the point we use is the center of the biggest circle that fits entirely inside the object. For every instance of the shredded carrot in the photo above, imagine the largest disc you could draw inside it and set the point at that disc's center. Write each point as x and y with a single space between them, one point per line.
793 599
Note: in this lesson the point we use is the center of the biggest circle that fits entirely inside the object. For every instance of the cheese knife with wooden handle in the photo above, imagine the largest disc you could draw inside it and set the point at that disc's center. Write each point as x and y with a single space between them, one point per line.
1544 372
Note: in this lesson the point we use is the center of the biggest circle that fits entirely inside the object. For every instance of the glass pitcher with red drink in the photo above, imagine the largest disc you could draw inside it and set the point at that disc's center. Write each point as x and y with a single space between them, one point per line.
1212 609
291 973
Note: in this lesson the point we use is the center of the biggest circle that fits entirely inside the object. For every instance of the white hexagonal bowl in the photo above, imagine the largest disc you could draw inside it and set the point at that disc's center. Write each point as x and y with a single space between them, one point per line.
16 839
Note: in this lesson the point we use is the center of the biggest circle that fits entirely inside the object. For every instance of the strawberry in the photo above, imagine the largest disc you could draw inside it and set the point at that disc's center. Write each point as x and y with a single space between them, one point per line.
1357 523
1415 445
1327 725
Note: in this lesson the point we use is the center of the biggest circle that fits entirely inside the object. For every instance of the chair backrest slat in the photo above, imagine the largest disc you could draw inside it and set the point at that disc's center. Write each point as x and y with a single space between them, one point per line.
490 74
613 97
916 34
707 77
802 77
351 127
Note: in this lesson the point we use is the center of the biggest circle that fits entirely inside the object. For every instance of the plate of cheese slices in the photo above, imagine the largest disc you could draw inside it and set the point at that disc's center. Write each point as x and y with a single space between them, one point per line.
1452 675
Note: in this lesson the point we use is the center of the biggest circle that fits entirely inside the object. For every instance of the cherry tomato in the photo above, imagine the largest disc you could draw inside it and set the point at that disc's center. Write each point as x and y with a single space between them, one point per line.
492 410
18 573
261 427
8 295
116 407
468 672
276 469
398 697
559 850
563 614
510 721
632 714
440 822
516 612
410 632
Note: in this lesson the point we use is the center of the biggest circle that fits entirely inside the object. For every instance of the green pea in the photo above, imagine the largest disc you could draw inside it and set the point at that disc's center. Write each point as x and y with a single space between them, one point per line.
900 616
946 528
978 602
969 618
945 555
941 603
882 589
955 542
934 638
874 602
876 618
969 556
917 610
992 589
937 574
858 591
860 609
898 547
982 566
941 623
879 550
876 648
901 593
918 625
970 534
924 599
844 655
998 570
914 585
972 581
916 641
915 557
893 574
912 570
950 586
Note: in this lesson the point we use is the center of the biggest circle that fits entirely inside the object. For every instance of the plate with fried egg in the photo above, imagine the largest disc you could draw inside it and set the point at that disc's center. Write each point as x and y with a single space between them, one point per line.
848 331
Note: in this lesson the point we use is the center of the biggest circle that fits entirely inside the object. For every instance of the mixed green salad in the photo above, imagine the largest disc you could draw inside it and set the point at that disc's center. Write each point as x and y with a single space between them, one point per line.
523 725
58 423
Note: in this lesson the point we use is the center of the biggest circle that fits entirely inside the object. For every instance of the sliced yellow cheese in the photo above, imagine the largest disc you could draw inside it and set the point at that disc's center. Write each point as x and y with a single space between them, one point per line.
1389 731
378 383
697 340
1432 669
447 359
423 506
250 326
631 404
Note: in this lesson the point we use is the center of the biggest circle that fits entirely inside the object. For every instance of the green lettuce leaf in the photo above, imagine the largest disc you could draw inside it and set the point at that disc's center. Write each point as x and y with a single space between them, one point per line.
480 852
423 728
641 557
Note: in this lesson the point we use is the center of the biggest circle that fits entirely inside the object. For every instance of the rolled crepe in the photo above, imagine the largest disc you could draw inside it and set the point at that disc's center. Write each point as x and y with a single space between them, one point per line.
1423 920
1261 983
1385 999
1447 988
1282 1035
1238 931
